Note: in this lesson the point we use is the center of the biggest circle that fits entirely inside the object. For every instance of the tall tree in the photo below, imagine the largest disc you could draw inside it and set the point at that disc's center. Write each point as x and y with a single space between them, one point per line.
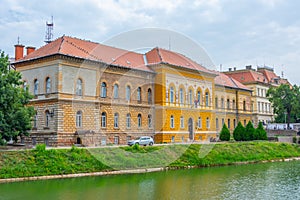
285 101
15 116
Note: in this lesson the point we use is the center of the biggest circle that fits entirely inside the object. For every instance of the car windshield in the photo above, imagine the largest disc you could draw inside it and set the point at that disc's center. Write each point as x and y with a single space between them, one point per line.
138 138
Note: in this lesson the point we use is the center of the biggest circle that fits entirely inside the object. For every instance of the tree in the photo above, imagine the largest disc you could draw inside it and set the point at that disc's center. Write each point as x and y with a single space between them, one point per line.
285 102
261 132
225 133
238 133
15 115
249 131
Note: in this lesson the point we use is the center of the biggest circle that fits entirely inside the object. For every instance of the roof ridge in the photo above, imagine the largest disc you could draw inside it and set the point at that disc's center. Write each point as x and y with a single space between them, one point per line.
82 49
62 40
158 53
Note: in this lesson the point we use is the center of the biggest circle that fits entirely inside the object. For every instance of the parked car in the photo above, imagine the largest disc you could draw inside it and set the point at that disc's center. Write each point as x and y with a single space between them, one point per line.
144 140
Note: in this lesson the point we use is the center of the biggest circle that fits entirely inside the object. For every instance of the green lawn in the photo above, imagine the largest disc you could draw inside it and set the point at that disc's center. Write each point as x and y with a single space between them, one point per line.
40 162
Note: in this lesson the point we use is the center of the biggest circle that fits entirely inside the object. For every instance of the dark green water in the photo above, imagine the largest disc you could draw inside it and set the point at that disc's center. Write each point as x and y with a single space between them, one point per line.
259 181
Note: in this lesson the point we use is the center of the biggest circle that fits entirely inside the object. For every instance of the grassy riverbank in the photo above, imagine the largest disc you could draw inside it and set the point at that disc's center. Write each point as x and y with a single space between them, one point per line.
41 162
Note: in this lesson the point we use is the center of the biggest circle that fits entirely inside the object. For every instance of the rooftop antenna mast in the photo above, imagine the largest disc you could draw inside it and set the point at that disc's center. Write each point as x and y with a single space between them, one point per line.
49 31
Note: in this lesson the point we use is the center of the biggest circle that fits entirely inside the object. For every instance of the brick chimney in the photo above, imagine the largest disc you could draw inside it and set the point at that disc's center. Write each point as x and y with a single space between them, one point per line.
19 51
29 50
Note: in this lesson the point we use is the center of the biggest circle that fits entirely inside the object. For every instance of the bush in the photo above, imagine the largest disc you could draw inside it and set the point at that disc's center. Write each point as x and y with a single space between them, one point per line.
40 148
239 132
295 139
261 132
249 131
225 133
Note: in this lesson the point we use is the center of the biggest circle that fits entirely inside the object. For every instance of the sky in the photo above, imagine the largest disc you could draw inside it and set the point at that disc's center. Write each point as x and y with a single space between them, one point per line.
234 33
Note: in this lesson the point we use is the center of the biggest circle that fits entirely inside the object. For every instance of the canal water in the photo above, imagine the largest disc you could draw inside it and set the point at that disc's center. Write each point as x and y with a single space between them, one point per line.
256 181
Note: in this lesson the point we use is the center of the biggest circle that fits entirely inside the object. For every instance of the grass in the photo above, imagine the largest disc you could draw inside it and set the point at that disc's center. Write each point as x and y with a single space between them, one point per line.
41 162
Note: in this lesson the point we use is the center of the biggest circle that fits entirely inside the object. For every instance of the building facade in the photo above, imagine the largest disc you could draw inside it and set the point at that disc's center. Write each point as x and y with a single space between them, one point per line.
91 94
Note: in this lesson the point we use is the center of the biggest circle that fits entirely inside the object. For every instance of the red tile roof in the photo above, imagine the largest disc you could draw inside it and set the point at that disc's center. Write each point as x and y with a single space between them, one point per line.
91 51
248 76
163 56
88 50
226 81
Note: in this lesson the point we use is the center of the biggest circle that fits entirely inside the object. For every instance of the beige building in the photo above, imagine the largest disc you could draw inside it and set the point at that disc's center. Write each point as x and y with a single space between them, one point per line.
259 81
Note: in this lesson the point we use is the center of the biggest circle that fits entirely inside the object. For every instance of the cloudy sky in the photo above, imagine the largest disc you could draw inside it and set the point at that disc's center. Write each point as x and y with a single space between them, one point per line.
234 33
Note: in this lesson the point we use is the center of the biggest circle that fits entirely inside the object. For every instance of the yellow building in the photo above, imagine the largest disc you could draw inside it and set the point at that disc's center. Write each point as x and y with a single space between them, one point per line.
233 102
184 93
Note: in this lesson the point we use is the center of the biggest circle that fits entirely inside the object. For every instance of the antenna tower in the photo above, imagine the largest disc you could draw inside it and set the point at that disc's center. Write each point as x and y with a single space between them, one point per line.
49 33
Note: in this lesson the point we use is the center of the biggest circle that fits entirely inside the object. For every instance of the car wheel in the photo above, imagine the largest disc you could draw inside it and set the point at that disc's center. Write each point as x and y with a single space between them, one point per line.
151 143
137 143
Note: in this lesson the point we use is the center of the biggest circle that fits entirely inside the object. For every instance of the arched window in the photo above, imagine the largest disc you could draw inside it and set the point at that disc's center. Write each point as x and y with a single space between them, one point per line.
228 104
139 94
228 124
199 97
216 102
234 123
116 91
172 121
103 90
48 85
128 92
233 104
181 95
47 118
149 121
190 97
199 122
35 118
79 119
36 87
128 120
181 122
79 87
103 119
116 120
139 120
171 95
206 99
207 122
25 86
222 103
244 105
149 96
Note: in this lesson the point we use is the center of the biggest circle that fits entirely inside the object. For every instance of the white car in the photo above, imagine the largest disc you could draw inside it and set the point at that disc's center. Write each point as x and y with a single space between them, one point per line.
144 140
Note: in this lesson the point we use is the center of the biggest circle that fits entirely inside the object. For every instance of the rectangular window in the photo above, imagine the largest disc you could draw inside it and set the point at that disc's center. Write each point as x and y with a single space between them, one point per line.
181 122
229 123
217 123
116 140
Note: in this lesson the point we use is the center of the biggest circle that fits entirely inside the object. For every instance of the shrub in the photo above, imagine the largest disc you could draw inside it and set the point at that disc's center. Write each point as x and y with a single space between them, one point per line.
40 148
261 132
239 132
294 139
249 131
225 133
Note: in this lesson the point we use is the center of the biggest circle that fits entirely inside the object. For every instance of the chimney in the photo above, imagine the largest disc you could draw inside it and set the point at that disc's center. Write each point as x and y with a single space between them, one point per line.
19 51
29 50
249 67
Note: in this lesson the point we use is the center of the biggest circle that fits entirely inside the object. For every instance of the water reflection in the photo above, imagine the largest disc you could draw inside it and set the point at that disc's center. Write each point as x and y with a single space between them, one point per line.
259 181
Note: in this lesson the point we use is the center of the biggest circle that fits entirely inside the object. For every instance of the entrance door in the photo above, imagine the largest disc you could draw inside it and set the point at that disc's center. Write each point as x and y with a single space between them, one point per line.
191 129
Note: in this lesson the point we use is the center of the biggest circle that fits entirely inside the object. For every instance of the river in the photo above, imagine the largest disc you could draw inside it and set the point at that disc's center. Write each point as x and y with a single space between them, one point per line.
256 181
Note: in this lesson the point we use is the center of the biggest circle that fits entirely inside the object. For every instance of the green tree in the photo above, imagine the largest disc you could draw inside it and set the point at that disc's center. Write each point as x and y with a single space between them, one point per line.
238 133
285 101
261 132
249 131
225 133
15 116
